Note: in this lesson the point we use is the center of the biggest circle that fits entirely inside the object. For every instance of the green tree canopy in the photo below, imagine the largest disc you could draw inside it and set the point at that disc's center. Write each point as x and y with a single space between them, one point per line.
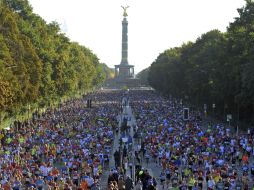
217 68
38 63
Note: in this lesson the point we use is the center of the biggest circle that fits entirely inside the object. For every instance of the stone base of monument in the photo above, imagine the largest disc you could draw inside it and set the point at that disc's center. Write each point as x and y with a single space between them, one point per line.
123 83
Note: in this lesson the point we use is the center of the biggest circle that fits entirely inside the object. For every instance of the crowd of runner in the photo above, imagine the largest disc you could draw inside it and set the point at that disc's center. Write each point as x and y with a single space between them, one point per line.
69 148
189 154
63 148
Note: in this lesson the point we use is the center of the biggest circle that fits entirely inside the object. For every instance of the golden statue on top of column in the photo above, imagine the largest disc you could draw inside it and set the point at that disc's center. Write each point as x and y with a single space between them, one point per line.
125 11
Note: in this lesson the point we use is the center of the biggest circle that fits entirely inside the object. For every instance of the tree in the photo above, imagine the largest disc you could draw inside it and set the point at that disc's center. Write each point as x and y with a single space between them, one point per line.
143 76
241 55
38 63
217 68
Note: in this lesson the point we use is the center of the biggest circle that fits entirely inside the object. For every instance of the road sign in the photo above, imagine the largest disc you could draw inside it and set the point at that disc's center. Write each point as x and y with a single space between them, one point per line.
186 114
229 117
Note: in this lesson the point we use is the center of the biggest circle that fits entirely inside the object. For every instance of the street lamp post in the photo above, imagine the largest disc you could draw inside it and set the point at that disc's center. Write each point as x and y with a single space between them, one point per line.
28 113
214 109
205 110
181 103
229 117
0 119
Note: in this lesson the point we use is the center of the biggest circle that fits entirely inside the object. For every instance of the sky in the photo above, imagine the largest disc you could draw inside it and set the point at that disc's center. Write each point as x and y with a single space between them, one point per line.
154 25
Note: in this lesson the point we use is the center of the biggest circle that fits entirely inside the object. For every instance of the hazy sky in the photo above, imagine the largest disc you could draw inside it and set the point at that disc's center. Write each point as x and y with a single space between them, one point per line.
154 25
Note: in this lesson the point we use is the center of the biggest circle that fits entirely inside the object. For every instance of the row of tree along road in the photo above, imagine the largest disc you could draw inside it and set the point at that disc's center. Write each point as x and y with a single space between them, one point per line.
216 71
38 63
